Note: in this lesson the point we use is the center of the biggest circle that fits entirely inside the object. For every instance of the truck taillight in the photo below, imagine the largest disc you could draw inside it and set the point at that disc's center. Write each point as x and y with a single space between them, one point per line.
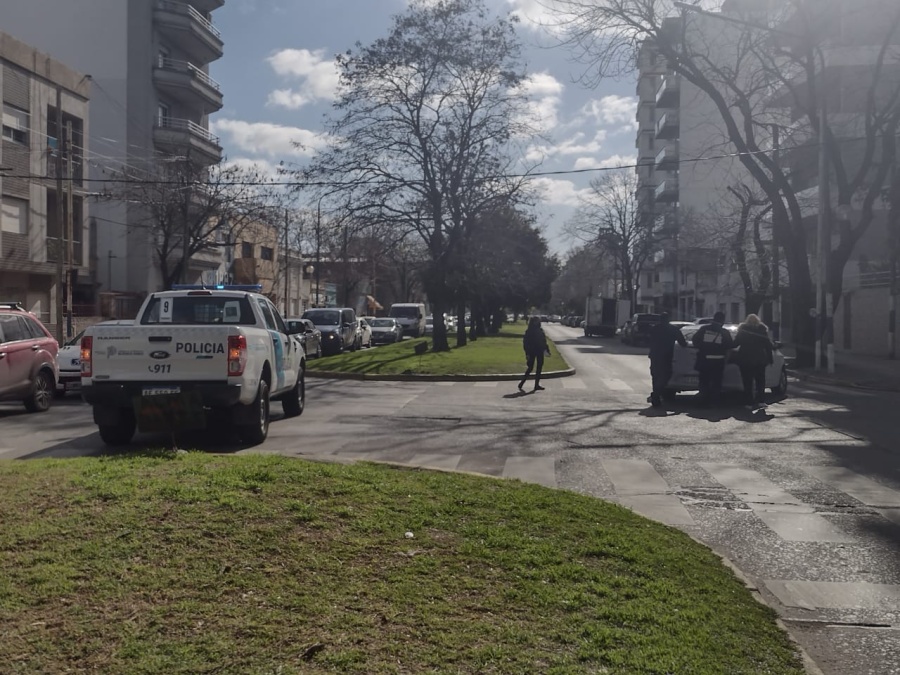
87 352
237 354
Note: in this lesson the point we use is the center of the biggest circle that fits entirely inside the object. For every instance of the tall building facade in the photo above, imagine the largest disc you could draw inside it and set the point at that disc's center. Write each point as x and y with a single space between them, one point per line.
37 92
151 100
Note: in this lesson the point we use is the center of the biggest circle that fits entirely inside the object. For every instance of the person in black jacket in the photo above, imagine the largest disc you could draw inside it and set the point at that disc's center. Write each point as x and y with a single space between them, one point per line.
663 337
754 353
712 342
535 345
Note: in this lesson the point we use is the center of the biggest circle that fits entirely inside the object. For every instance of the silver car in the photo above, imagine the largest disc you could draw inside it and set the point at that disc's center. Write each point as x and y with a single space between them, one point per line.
686 378
385 330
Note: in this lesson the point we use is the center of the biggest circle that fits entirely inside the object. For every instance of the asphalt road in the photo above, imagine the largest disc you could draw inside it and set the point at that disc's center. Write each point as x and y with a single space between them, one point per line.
803 499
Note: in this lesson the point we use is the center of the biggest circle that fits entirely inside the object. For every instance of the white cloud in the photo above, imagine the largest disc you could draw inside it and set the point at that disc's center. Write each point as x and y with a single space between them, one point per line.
270 140
545 95
556 191
618 110
579 144
318 77
537 14
607 163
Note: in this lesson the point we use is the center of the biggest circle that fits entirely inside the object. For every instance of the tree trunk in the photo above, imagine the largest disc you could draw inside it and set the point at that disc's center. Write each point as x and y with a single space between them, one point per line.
461 339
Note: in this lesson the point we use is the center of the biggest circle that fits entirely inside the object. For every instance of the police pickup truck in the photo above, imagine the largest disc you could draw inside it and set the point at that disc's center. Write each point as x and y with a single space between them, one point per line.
191 354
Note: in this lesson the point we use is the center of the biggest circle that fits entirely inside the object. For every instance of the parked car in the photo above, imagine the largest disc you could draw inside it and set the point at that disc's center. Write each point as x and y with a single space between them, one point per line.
28 369
637 331
685 376
306 333
385 330
365 333
69 360
340 329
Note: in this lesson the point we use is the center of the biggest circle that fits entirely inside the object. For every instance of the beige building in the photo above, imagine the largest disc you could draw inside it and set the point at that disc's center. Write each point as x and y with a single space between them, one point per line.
30 244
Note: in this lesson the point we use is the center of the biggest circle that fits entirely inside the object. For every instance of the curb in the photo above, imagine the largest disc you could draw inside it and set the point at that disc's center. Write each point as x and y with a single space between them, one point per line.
499 377
839 382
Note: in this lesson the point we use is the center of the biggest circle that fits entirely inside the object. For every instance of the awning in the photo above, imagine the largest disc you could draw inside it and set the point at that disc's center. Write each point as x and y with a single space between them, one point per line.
373 303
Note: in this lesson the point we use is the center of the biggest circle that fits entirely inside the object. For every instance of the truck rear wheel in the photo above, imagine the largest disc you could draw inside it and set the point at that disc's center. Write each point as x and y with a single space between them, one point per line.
255 432
294 401
121 432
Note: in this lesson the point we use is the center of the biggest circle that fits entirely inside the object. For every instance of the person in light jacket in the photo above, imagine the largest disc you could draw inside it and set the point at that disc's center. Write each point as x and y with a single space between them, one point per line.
535 345
754 353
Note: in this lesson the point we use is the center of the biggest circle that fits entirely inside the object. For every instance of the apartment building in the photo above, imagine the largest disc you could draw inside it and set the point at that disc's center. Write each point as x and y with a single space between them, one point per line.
151 99
32 236
683 181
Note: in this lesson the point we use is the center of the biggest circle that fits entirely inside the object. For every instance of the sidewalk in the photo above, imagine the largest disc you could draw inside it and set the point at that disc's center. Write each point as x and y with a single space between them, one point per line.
852 370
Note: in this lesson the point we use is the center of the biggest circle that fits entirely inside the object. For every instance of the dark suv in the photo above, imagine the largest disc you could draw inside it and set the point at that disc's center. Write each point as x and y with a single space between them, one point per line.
28 368
637 331
340 329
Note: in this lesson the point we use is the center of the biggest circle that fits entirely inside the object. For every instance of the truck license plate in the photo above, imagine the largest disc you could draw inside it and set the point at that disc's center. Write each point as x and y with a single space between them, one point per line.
160 391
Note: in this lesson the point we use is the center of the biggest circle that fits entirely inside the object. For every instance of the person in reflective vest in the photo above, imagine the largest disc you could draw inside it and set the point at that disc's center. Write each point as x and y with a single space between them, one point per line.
713 343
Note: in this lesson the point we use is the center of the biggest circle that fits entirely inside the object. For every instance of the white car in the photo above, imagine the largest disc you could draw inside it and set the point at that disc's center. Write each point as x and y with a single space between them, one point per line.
685 376
69 360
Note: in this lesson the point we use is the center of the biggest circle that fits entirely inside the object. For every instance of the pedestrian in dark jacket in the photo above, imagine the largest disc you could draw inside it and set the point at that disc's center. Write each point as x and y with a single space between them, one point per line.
663 337
535 345
712 342
754 354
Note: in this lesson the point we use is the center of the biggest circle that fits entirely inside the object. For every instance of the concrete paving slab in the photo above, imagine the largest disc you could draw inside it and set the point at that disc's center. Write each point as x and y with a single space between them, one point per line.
835 595
866 490
666 509
435 460
804 527
540 470
616 385
634 477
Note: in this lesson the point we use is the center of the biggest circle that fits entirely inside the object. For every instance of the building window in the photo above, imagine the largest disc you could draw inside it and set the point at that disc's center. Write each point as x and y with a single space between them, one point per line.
161 57
15 124
650 281
266 253
14 217
246 249
163 114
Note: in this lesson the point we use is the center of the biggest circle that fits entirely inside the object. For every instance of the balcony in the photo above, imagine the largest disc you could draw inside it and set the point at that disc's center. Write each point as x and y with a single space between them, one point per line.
185 81
189 30
667 126
207 5
184 137
667 158
667 190
667 94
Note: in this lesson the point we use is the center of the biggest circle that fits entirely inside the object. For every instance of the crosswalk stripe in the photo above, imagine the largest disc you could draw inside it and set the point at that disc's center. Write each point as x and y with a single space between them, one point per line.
487 385
616 385
573 383
667 509
783 513
445 384
540 470
857 486
634 476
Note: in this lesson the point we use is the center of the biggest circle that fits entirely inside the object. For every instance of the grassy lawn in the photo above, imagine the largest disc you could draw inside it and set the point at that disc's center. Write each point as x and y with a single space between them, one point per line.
193 563
489 355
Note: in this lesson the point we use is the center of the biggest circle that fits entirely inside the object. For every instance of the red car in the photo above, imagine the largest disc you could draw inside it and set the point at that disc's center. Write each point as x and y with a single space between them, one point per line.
28 369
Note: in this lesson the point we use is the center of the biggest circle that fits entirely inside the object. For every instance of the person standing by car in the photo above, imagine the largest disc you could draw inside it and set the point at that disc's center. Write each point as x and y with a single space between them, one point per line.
754 353
535 345
662 338
712 342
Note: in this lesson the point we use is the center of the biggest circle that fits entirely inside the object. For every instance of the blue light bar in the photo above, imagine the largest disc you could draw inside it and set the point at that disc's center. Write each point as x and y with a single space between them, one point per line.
249 288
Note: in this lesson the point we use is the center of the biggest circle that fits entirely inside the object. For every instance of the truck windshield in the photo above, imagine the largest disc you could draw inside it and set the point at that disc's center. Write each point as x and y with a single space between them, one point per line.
405 312
201 310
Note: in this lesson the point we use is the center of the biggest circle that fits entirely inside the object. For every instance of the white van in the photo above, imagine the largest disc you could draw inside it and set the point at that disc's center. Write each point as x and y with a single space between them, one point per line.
410 316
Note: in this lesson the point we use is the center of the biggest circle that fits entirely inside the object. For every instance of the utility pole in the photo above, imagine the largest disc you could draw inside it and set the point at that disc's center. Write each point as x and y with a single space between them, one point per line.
776 227
60 272
318 246
822 231
287 266
70 232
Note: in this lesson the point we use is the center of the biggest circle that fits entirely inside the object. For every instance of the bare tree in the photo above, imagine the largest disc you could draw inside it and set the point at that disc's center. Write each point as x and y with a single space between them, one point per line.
748 62
609 218
188 208
429 119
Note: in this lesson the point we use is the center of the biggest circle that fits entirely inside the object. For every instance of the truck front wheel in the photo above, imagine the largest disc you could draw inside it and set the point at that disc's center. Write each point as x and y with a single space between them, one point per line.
119 432
256 431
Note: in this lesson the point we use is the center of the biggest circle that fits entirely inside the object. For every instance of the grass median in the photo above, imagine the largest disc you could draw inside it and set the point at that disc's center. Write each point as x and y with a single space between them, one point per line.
191 563
489 355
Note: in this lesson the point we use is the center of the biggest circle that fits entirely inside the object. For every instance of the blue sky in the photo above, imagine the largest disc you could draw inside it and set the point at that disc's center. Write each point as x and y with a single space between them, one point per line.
278 79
